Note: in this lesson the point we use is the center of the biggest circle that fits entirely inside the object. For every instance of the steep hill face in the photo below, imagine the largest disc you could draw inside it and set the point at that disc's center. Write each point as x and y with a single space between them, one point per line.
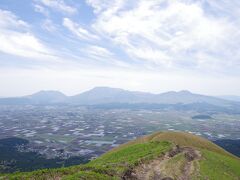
162 156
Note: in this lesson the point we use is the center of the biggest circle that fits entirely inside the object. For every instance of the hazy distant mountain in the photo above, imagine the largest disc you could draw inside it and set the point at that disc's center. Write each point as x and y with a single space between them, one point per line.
106 95
187 97
47 97
103 95
41 97
230 97
15 101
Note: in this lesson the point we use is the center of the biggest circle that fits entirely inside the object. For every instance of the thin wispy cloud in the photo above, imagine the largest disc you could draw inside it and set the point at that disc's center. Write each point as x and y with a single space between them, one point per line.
59 5
10 20
48 25
18 40
79 31
98 51
168 32
40 9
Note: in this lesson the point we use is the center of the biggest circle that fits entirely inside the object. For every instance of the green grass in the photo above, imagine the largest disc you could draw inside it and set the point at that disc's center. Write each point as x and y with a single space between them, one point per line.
189 140
111 165
119 161
88 175
217 166
180 138
214 164
43 174
133 152
175 166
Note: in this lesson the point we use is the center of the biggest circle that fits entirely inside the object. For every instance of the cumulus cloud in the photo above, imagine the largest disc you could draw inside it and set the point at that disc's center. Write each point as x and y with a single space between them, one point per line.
59 5
169 33
17 40
79 31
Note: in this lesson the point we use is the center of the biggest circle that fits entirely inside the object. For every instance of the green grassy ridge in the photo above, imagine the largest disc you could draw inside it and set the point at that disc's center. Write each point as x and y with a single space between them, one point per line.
182 139
190 140
125 158
111 165
88 175
175 166
218 166
116 162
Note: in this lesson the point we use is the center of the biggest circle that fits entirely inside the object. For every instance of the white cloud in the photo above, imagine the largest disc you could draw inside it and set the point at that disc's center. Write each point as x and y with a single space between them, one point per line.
59 5
22 44
102 57
48 25
97 51
40 9
168 33
79 31
17 40
9 20
104 5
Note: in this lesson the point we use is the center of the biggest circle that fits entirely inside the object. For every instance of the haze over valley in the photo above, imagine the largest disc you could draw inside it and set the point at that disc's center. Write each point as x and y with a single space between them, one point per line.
67 130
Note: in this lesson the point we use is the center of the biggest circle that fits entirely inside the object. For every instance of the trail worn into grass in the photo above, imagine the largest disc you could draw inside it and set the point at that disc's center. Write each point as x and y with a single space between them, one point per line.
176 164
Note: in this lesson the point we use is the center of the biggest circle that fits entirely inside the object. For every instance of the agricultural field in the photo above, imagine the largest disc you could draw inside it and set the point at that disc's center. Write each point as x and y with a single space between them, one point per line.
76 134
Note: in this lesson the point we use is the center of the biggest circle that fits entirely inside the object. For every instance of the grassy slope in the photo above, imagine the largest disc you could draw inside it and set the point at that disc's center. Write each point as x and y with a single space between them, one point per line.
174 167
111 165
217 166
186 139
215 163
128 157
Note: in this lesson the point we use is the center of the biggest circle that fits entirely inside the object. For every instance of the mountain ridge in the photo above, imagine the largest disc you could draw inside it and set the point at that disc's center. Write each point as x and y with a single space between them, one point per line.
105 95
230 98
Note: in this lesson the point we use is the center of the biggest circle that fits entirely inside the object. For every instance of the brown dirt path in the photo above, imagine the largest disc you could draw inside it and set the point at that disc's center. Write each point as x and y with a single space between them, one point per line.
156 169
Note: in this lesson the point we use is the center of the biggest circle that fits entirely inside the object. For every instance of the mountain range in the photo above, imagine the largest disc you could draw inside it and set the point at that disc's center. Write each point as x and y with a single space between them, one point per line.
230 97
107 95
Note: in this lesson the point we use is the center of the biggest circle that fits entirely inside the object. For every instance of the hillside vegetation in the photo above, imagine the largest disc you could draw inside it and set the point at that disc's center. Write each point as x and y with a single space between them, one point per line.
162 155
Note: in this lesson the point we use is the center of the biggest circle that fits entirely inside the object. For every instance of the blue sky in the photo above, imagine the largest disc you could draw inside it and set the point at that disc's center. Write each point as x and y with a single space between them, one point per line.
145 45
